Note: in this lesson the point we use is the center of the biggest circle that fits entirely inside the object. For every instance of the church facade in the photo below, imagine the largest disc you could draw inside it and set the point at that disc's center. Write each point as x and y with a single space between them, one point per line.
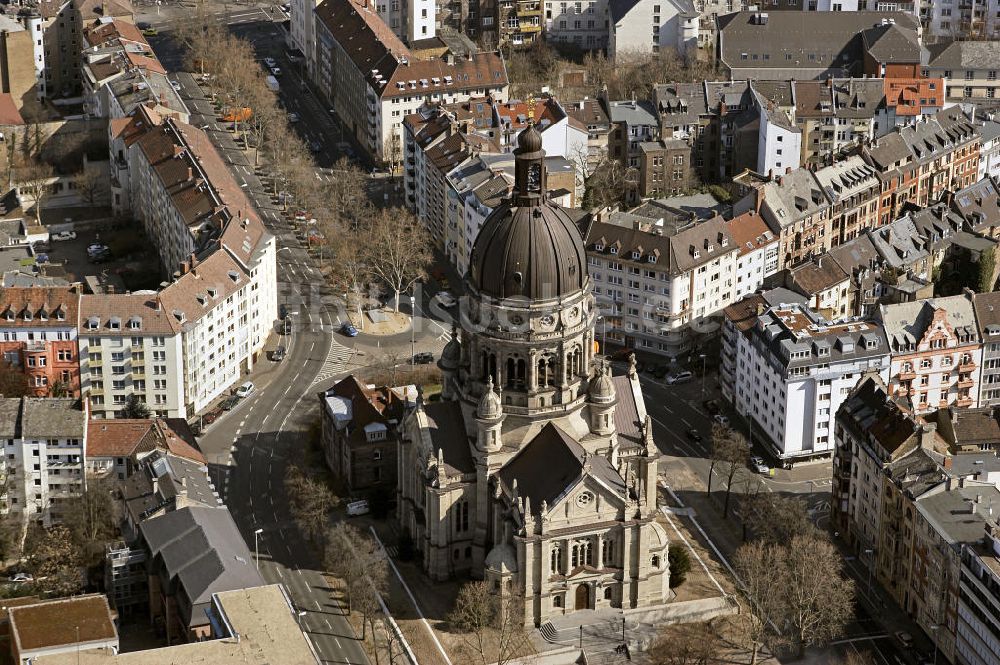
537 469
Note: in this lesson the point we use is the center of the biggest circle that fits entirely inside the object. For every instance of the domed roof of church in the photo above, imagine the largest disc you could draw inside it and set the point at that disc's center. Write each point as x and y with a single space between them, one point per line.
502 558
602 388
529 246
489 407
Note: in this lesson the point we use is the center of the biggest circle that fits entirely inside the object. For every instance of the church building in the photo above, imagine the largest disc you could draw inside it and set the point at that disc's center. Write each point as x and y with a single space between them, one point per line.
537 468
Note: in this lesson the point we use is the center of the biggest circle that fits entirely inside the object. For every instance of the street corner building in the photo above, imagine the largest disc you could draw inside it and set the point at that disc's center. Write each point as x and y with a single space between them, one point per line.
537 469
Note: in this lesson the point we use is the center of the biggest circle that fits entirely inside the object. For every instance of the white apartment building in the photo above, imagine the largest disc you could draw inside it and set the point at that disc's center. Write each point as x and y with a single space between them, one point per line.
792 370
936 352
951 19
659 286
410 20
374 81
223 298
649 26
583 23
44 445
779 140
757 252
977 640
302 31
130 346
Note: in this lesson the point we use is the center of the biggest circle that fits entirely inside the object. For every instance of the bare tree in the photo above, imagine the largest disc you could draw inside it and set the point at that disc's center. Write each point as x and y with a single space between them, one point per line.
818 598
755 564
89 183
729 449
34 177
13 381
310 502
490 622
92 519
774 518
53 560
362 564
399 249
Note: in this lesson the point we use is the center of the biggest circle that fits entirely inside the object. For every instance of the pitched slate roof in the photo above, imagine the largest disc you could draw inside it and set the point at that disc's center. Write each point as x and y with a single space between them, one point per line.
446 426
552 463
907 322
965 54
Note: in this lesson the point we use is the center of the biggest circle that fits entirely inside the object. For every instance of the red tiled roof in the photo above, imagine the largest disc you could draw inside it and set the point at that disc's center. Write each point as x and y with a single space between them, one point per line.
59 305
144 309
115 438
9 115
750 232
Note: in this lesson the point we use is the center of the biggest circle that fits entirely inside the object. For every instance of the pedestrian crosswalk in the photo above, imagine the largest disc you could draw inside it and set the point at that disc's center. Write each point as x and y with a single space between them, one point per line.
335 362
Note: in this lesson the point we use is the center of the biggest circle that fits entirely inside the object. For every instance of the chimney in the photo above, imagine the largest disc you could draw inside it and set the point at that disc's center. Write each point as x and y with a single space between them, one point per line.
190 173
185 267
788 169
829 82
760 200
780 180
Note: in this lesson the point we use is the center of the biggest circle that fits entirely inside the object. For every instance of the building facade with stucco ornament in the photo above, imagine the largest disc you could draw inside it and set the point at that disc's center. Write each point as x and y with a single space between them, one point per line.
537 468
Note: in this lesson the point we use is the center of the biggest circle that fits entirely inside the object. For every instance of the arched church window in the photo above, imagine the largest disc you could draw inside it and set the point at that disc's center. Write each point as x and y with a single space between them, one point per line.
656 561
557 601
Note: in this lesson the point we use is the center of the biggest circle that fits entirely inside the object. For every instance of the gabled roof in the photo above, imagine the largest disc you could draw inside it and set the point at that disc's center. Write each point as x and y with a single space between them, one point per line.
552 463
202 550
39 307
9 115
908 322
446 428
892 44
965 54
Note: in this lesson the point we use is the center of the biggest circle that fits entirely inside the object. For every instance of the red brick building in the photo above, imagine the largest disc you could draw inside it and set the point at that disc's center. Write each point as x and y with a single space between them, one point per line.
38 328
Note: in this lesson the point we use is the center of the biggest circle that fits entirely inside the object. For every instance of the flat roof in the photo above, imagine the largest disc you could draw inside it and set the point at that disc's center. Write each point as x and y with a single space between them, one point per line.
63 622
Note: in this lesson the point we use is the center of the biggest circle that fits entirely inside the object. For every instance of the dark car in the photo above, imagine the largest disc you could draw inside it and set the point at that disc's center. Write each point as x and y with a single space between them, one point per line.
712 406
282 311
694 435
278 354
349 330
287 326
229 403
423 358
661 371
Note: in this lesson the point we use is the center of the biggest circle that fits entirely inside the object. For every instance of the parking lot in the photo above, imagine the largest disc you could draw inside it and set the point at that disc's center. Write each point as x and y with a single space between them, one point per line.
127 264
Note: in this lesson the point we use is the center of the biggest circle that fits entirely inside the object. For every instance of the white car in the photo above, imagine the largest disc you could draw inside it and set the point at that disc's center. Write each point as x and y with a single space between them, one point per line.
681 377
275 71
721 419
19 578
293 117
245 390
176 86
63 235
270 62
446 299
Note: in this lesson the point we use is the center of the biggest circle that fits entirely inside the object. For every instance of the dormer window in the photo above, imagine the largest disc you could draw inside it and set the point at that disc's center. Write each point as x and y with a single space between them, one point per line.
115 323
135 323
651 258
213 292
599 247
233 275
614 250
93 323
26 315
635 256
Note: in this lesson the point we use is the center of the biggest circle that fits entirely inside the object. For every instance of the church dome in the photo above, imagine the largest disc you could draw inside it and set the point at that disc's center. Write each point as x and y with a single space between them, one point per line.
502 559
529 246
602 388
489 407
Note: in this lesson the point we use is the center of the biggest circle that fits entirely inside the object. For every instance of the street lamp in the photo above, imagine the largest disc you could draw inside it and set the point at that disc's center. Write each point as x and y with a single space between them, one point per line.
702 356
256 549
934 629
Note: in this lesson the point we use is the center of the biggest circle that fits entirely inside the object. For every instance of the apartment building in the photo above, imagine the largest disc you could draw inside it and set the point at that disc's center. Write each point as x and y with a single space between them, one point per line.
38 336
633 122
976 641
918 163
789 362
936 352
58 628
660 284
652 26
583 25
374 81
970 19
987 307
837 114
130 346
664 168
589 113
45 445
854 189
684 114
968 68
989 148
757 252
17 70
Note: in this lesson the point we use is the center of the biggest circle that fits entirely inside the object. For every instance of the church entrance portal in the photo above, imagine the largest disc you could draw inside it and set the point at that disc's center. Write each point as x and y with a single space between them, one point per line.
582 597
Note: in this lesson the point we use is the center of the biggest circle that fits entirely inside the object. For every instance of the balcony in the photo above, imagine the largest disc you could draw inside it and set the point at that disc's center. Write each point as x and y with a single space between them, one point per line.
966 366
966 383
907 375
34 346
963 402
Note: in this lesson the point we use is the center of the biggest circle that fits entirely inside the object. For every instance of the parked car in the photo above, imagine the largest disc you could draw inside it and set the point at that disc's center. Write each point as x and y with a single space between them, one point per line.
712 406
423 358
278 354
20 578
661 371
41 258
97 248
275 71
721 419
150 32
282 310
446 299
315 146
349 330
355 508
143 25
680 377
270 62
694 435
229 403
63 235
905 639
757 464
286 325
245 390
293 117
175 85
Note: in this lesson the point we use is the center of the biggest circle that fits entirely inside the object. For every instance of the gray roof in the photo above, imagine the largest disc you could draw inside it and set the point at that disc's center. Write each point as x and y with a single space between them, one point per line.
892 44
898 243
798 337
202 550
951 512
846 178
163 477
630 411
978 204
908 322
680 103
855 254
988 129
965 55
446 427
640 112
700 243
10 417
797 196
800 40
937 224
552 463
53 418
988 314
